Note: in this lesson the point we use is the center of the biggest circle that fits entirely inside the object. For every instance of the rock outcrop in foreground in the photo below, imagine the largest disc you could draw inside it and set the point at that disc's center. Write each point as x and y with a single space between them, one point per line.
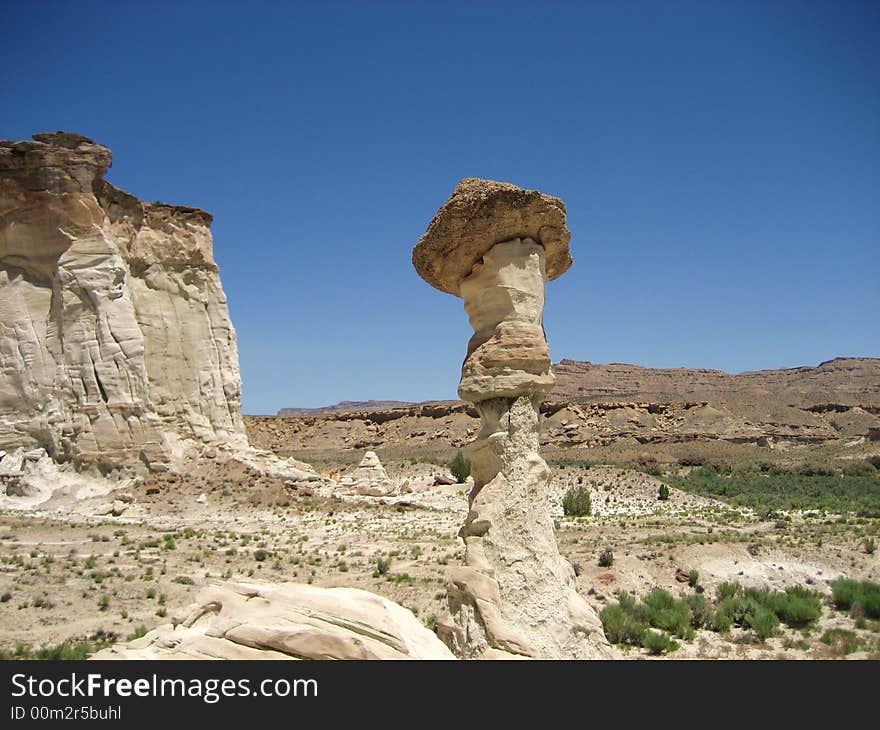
287 621
496 245
115 337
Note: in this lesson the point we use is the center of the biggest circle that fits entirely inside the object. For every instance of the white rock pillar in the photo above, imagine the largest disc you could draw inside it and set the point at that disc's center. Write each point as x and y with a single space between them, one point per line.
515 594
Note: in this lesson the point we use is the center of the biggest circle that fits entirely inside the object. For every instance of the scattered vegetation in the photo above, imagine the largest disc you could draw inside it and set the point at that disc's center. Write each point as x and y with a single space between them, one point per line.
811 488
70 650
606 558
844 640
653 622
762 609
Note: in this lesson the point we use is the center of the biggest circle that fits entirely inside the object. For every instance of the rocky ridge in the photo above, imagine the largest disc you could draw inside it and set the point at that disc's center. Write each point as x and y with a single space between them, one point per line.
837 402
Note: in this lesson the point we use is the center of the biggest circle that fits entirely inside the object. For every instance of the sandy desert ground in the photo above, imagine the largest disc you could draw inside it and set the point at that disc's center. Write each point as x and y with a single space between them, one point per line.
68 575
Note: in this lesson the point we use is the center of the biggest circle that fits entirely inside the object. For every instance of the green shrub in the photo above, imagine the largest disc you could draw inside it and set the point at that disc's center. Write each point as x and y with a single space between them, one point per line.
400 578
869 600
762 609
702 616
627 601
763 622
606 558
759 609
657 642
856 597
68 650
576 502
137 633
260 555
728 590
768 493
721 621
663 492
382 565
460 467
636 623
621 626
662 610
870 545
735 610
844 592
815 470
693 577
796 607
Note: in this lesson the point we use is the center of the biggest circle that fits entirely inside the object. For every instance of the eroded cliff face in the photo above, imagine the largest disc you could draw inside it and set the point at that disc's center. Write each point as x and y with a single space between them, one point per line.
115 337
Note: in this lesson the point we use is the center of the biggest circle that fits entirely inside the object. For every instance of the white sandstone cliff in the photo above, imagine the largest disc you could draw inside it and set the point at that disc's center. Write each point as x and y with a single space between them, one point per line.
115 337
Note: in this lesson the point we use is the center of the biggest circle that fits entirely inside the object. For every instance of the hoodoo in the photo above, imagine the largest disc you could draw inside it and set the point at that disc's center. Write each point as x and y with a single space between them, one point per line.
496 245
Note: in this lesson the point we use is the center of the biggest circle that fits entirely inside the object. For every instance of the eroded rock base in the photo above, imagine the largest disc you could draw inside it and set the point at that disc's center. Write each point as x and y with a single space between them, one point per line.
516 593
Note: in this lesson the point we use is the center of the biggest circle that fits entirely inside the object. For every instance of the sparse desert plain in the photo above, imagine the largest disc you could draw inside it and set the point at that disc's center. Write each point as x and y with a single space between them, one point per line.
803 518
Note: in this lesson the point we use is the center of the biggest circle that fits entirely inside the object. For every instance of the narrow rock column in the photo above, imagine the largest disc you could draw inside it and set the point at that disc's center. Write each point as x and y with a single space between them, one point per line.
515 594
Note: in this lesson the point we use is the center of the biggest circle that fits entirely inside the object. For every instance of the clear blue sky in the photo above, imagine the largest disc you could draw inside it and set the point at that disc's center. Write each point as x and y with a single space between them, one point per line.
720 162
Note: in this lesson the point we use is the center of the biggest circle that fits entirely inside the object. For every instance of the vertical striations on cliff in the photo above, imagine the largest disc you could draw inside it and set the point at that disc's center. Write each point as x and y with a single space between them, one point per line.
115 336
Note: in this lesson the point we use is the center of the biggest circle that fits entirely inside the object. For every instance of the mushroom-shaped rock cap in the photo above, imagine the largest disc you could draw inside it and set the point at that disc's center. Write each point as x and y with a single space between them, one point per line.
481 213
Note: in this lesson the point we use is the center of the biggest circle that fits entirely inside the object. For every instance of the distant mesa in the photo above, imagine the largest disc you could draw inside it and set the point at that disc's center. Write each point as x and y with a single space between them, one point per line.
346 406
850 379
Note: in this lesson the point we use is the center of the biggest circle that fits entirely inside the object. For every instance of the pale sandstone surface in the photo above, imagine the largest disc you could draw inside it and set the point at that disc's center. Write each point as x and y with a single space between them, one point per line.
286 621
190 346
117 352
115 337
508 354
